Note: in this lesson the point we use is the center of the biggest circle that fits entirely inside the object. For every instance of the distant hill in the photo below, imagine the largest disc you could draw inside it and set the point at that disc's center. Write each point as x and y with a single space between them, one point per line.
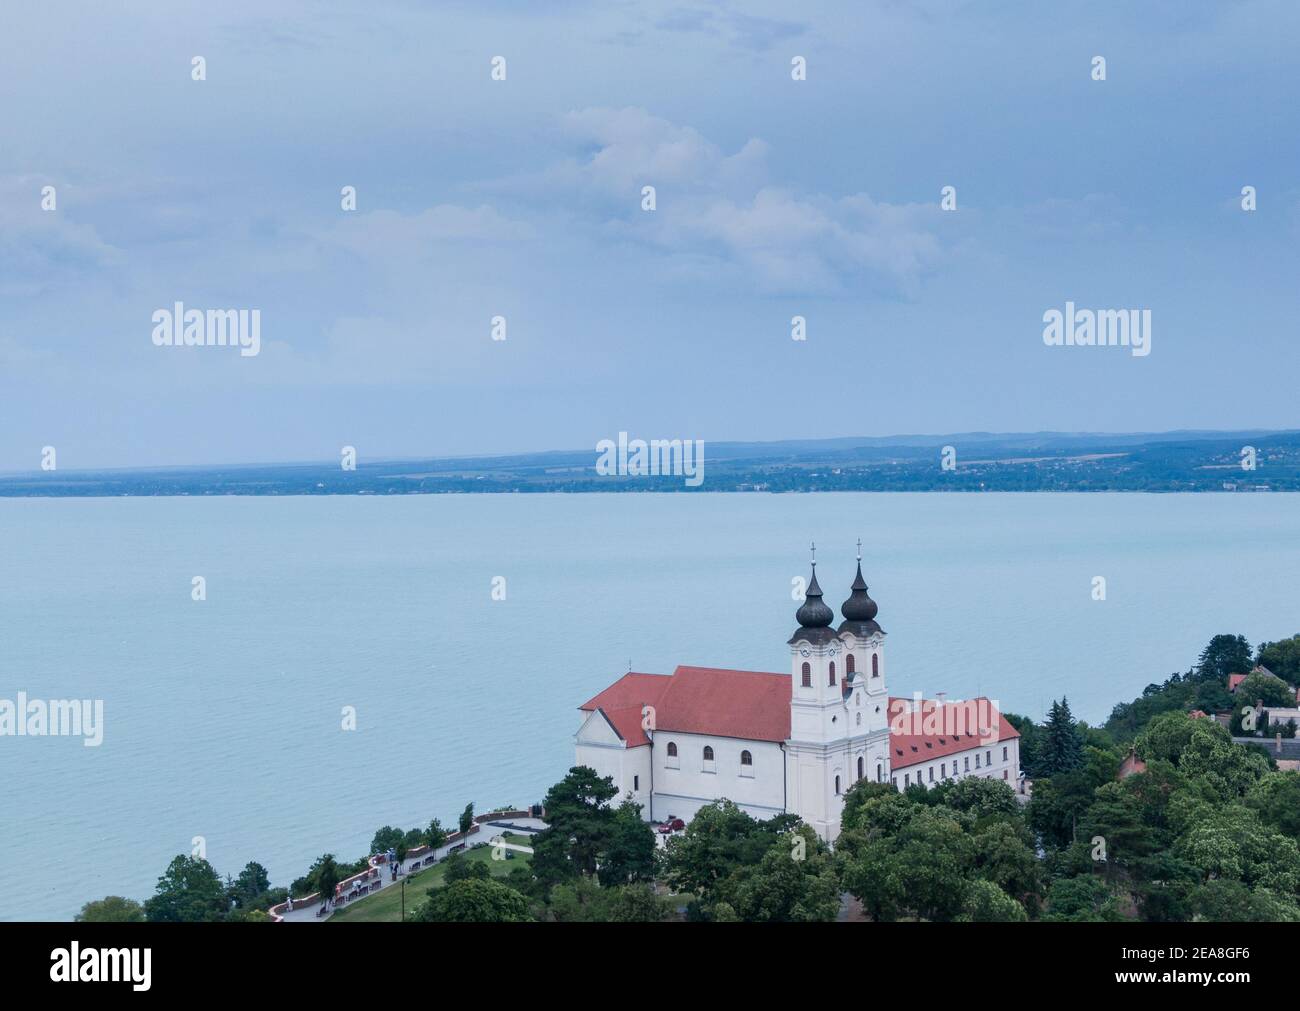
1199 461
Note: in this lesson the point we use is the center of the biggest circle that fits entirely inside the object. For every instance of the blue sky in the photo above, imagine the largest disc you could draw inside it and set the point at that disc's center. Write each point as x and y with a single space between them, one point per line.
521 198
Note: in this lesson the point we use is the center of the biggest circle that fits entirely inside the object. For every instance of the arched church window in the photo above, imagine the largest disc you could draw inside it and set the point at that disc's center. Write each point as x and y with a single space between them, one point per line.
875 665
832 673
672 750
746 758
860 765
880 773
708 753
859 719
849 665
807 675
837 785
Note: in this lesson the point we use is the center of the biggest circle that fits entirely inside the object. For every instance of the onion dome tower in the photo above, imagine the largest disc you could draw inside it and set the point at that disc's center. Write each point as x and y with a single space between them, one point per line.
860 610
814 614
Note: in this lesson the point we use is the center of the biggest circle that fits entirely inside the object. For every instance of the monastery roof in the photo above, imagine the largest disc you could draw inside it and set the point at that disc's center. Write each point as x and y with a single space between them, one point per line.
934 730
755 706
746 704
623 700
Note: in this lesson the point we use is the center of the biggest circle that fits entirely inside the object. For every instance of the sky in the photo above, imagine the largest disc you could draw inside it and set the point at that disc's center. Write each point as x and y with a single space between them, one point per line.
523 198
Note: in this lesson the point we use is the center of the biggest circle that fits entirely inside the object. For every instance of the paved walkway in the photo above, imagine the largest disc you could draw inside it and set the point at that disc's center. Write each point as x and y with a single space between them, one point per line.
488 831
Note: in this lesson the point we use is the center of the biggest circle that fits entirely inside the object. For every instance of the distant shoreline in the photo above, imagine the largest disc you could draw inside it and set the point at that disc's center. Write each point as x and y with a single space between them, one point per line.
1202 462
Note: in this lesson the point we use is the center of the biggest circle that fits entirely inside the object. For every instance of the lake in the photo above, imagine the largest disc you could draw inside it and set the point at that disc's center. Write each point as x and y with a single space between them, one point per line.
223 717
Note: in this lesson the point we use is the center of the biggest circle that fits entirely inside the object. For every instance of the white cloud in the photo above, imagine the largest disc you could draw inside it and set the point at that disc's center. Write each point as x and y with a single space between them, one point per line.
40 248
712 204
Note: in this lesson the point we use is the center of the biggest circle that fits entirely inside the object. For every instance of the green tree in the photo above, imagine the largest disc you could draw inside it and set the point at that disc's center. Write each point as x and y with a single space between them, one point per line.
436 835
189 891
111 909
385 839
1082 899
1226 768
1062 749
1224 655
1226 901
638 903
1060 803
1282 658
874 809
253 882
923 868
1166 736
874 873
987 903
794 882
1271 690
474 900
627 853
467 818
1003 857
583 900
1119 816
1276 799
457 867
982 798
325 876
1232 843
579 822
720 839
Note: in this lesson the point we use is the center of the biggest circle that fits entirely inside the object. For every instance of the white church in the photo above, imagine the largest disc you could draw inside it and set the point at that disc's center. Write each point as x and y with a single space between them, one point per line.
792 742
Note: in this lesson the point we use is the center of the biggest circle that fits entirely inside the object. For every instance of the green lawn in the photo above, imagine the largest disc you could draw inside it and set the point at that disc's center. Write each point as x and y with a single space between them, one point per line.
386 907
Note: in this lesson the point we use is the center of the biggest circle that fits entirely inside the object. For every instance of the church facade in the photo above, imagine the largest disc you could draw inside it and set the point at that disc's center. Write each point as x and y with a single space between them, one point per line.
792 742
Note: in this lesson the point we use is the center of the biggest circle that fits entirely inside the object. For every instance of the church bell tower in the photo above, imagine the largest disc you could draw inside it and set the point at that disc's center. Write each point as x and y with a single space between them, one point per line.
839 719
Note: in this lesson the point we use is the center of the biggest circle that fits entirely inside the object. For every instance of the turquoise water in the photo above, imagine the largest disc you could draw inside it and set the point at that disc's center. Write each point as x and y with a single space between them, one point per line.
222 717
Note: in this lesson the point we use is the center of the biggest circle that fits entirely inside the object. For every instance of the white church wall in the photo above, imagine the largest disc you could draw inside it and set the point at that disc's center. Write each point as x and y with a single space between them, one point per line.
682 790
598 747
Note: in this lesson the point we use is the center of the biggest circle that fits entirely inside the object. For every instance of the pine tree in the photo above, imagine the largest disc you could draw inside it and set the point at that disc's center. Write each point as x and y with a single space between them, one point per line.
1062 748
1224 655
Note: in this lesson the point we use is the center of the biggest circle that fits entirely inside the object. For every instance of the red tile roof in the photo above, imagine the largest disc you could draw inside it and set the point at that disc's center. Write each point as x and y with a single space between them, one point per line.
755 706
751 705
935 731
1234 680
1131 765
623 700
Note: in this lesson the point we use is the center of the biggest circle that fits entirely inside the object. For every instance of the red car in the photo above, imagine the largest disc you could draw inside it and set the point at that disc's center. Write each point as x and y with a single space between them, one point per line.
671 825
